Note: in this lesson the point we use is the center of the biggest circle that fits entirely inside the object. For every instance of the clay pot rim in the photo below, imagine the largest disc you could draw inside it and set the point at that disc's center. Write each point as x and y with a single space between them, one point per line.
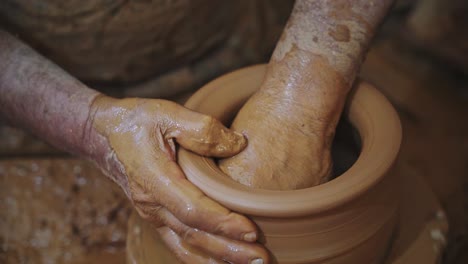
368 111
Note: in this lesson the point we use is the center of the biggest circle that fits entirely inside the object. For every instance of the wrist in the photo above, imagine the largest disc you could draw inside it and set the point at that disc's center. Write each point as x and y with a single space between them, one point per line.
99 149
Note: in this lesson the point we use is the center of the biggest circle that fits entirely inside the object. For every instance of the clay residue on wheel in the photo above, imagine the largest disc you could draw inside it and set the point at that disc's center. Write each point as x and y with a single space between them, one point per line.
60 211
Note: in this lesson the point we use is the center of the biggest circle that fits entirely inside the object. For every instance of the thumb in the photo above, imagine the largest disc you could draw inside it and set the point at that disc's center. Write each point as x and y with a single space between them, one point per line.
205 135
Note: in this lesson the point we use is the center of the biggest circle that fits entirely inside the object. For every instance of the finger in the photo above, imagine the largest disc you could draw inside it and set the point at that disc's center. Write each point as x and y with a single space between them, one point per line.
204 135
165 185
192 207
184 252
221 248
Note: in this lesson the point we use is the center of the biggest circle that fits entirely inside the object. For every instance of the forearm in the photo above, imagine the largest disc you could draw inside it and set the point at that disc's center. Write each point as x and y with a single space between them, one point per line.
321 50
38 96
290 122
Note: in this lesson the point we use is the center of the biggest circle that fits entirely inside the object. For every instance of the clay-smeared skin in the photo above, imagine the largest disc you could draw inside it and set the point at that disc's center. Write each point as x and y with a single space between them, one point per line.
133 142
290 122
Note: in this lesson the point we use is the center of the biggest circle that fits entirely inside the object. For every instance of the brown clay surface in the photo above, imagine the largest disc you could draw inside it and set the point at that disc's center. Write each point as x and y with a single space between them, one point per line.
422 231
306 226
432 103
419 239
14 141
60 211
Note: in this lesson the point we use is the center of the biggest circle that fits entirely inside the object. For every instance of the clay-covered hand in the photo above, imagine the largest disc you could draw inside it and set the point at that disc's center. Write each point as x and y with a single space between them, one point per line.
141 135
291 120
289 139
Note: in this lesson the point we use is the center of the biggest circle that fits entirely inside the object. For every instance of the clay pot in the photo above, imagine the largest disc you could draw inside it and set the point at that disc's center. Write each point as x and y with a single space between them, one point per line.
349 219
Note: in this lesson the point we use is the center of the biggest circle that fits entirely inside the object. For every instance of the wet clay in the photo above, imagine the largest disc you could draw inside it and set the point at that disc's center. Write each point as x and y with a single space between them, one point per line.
421 216
287 134
133 142
134 126
291 120
141 134
350 219
347 220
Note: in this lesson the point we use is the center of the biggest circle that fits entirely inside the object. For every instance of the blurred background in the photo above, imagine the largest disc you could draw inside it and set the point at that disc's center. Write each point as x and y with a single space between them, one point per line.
60 209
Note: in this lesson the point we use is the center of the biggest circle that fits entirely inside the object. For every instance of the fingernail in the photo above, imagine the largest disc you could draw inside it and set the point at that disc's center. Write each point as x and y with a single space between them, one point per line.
242 140
257 261
251 237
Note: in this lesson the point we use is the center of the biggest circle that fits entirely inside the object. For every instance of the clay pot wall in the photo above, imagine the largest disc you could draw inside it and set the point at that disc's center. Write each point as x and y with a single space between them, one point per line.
350 219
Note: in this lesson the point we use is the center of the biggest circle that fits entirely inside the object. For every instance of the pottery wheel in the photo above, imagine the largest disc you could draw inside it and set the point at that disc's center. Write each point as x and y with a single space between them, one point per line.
420 237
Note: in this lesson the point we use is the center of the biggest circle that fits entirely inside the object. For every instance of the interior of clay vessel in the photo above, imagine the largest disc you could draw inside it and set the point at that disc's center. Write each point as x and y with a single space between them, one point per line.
346 147
368 111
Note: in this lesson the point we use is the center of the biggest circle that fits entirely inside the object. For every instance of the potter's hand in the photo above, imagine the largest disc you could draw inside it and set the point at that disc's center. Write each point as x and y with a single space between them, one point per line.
289 145
141 134
132 140
291 120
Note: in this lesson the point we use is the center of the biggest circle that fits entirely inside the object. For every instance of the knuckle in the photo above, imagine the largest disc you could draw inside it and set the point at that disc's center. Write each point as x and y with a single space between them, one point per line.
191 214
207 124
222 227
189 235
210 132
142 213
148 212
138 199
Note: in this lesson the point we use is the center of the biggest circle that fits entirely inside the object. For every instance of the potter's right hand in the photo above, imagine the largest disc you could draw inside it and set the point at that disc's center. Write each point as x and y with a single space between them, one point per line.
141 134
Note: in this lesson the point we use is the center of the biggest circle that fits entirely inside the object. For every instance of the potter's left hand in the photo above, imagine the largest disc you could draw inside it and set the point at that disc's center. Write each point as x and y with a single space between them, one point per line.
141 134
133 141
